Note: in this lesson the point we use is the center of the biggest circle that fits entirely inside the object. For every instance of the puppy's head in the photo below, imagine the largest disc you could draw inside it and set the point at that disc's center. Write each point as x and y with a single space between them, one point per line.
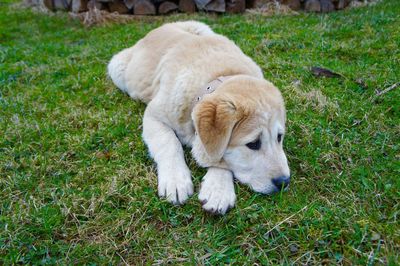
241 127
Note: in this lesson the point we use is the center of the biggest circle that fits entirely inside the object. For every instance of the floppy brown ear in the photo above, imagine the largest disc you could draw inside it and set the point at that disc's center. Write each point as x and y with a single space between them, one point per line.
214 121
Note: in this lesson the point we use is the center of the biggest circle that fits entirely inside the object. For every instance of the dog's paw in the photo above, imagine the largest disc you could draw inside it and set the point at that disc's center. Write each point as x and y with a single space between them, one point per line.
217 193
175 184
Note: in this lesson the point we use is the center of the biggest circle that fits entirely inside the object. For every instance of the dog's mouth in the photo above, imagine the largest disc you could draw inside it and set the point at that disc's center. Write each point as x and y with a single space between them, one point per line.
269 190
275 190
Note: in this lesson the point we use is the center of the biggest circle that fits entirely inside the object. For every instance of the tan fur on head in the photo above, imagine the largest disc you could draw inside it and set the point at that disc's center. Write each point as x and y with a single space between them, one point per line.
214 120
242 110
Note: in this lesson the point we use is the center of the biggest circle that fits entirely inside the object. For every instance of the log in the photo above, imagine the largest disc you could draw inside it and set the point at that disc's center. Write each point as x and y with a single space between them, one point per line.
327 6
79 6
216 6
144 7
167 7
341 4
235 6
48 4
201 4
118 6
60 5
293 4
187 6
313 6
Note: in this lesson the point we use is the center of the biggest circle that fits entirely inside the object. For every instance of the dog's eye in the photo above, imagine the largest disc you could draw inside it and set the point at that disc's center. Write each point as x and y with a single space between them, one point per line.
255 145
279 137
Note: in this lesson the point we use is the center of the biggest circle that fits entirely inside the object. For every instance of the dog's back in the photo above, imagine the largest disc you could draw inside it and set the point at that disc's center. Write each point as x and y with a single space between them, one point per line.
133 70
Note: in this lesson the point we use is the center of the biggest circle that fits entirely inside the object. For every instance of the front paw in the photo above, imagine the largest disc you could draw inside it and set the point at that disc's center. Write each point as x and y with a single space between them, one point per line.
175 184
217 193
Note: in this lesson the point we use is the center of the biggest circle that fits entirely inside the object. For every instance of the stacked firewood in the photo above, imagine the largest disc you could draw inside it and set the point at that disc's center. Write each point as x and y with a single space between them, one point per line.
317 5
148 7
154 7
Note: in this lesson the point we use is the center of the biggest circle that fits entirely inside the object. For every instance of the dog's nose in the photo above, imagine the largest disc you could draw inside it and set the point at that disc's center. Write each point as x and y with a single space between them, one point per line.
282 181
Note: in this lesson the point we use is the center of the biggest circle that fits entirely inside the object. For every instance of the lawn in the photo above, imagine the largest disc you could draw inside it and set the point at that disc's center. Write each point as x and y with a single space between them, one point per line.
77 185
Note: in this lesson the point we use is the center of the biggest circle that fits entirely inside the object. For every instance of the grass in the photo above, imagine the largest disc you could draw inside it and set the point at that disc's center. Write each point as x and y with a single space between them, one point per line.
77 185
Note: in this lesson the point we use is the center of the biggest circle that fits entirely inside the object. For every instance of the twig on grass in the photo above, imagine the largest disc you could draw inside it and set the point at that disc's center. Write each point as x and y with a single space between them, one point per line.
372 255
392 87
285 220
368 256
299 258
122 258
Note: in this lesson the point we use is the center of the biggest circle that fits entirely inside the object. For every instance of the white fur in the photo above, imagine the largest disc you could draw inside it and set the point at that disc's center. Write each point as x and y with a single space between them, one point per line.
195 27
117 66
174 179
166 69
217 192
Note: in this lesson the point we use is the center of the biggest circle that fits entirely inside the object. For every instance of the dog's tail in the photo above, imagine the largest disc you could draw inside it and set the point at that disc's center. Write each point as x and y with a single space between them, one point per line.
194 27
117 66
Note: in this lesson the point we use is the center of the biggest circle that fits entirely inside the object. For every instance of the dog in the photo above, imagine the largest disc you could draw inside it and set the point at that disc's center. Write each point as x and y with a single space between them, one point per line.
202 91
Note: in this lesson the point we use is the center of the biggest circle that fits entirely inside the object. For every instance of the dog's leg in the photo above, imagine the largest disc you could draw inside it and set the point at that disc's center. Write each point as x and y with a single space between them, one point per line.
174 178
217 193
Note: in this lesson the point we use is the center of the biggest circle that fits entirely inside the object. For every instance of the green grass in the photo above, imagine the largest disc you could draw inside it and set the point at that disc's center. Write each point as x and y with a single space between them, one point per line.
77 185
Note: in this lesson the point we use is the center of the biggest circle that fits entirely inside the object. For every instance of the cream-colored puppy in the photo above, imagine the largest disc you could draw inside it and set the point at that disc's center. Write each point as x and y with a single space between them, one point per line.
235 131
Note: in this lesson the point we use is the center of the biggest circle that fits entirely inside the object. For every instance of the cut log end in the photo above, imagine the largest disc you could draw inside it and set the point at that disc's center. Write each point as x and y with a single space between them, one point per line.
187 6
293 4
167 7
144 7
235 6
118 7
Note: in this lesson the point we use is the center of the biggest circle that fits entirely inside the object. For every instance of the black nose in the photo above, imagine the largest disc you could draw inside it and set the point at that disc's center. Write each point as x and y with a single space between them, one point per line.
282 181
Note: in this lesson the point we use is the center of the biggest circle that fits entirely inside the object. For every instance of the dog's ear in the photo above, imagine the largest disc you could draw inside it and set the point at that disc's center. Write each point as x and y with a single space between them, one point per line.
214 120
